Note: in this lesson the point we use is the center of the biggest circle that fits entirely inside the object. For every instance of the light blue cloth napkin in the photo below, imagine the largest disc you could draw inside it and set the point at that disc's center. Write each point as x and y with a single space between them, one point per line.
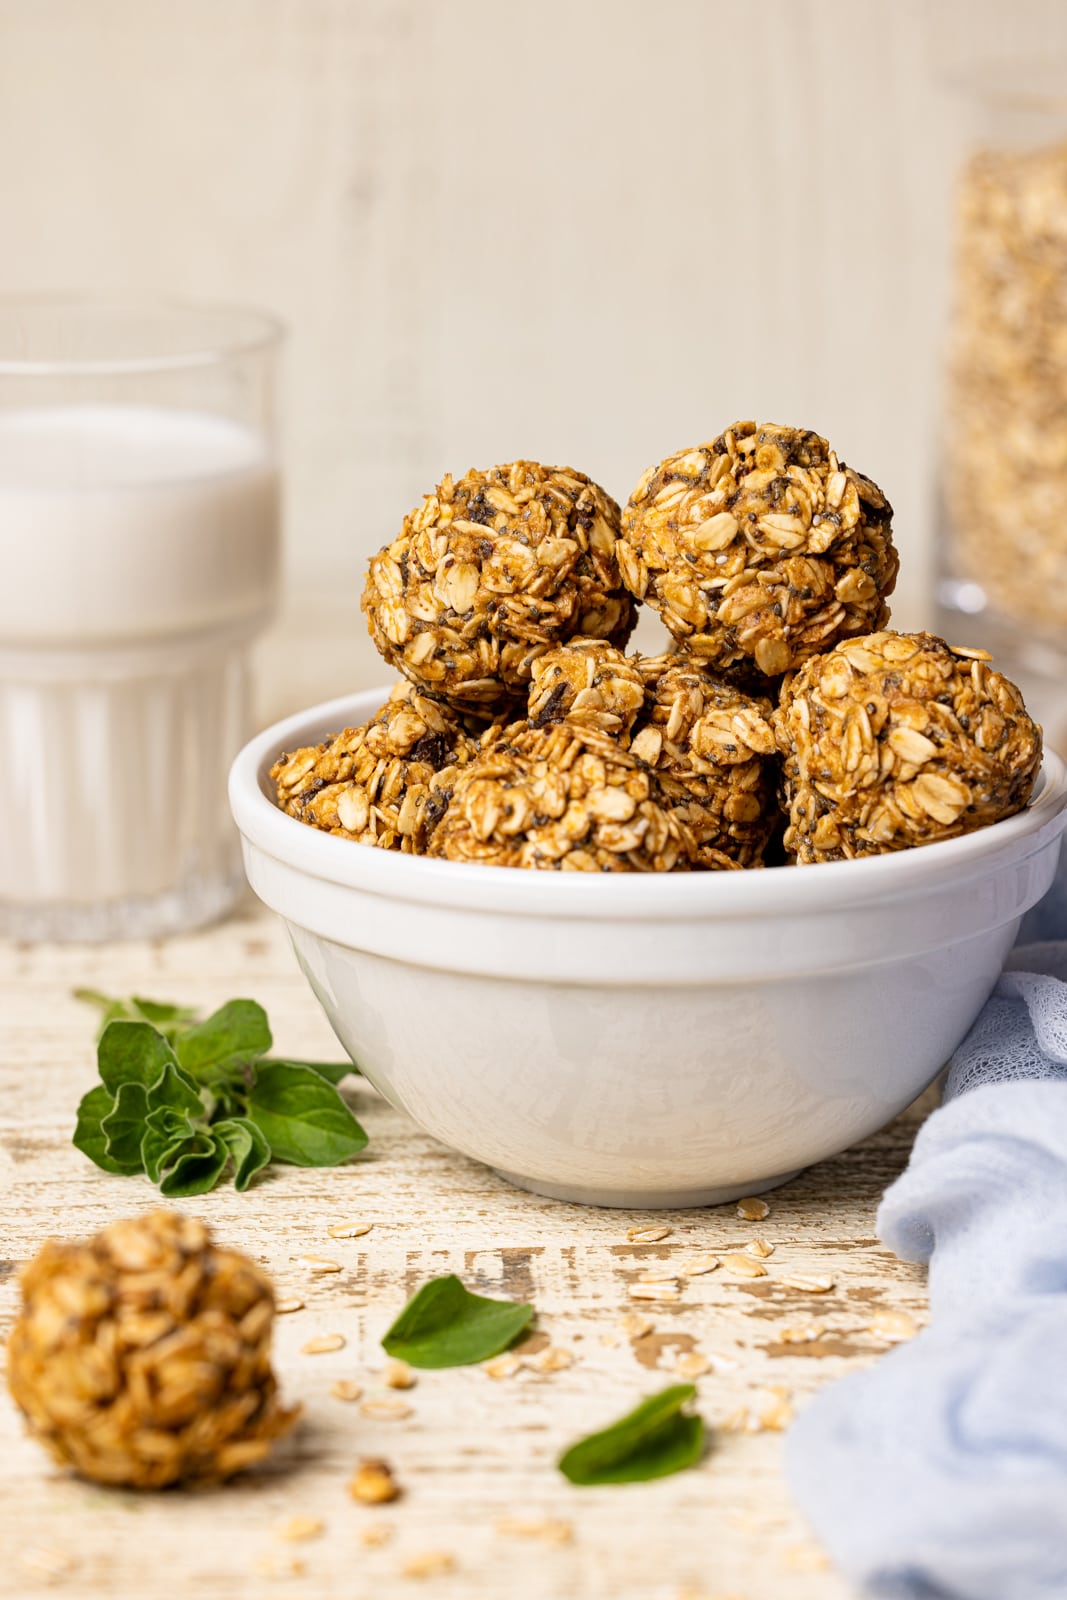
940 1473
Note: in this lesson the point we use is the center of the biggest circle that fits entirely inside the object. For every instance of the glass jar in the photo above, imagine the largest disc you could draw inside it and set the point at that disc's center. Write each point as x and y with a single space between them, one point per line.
139 546
1003 554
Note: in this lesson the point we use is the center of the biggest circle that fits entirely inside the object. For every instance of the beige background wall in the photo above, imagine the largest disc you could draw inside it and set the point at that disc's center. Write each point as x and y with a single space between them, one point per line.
582 230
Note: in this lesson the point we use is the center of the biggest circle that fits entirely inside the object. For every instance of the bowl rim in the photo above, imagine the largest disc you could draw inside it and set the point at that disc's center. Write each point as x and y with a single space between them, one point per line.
784 890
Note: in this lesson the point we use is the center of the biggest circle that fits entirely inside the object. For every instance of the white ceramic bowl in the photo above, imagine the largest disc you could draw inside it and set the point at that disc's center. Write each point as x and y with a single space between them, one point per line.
633 1040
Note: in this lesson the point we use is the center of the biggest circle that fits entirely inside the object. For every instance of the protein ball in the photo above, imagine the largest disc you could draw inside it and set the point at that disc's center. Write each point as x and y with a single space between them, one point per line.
760 545
385 783
561 798
489 572
899 739
590 681
142 1358
712 749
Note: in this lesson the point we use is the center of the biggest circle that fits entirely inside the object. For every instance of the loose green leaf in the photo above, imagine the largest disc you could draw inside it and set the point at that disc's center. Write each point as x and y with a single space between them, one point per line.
231 1037
168 1018
182 1100
197 1169
652 1441
165 1134
131 1052
88 1135
247 1146
303 1117
333 1071
174 1090
447 1326
123 1127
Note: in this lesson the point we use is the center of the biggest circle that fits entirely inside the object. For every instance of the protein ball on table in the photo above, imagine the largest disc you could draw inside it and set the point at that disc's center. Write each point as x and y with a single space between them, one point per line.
899 739
385 783
489 572
142 1357
760 546
588 680
712 749
566 798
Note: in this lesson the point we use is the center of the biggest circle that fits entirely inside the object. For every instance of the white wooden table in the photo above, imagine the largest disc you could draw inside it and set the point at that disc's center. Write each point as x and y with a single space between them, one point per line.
475 1454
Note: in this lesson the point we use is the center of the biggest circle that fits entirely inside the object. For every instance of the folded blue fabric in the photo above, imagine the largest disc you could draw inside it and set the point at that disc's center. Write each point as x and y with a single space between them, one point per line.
940 1473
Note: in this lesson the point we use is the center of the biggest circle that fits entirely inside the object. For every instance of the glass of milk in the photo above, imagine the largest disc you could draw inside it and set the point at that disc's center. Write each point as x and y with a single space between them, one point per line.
139 553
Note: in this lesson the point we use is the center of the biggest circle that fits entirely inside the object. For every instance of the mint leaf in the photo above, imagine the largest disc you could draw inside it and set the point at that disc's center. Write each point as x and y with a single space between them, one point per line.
131 1052
230 1038
175 1091
88 1136
652 1441
168 1018
333 1071
197 1169
247 1147
161 1013
445 1325
182 1099
303 1117
165 1133
123 1127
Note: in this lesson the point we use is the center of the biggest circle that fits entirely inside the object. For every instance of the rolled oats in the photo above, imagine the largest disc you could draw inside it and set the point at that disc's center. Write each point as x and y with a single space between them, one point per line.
373 1483
1006 443
323 1344
319 1266
346 1389
385 783
587 681
753 1209
562 798
652 1291
895 740
743 1266
761 546
429 1564
634 1326
504 1366
385 1410
143 1356
697 1266
712 750
555 1359
775 1410
552 1530
801 1332
894 1327
490 571
295 1530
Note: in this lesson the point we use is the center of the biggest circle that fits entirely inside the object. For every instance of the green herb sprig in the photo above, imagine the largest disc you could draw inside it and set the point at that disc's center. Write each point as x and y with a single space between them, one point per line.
184 1101
444 1325
655 1439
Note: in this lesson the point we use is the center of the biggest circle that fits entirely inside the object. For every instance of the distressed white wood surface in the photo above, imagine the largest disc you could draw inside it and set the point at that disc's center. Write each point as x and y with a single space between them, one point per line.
473 1450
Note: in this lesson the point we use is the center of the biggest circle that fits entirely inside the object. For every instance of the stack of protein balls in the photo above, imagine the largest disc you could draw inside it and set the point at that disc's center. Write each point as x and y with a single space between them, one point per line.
783 718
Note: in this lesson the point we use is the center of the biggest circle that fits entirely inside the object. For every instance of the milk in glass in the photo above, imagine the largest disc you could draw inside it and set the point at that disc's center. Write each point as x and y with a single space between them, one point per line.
139 549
